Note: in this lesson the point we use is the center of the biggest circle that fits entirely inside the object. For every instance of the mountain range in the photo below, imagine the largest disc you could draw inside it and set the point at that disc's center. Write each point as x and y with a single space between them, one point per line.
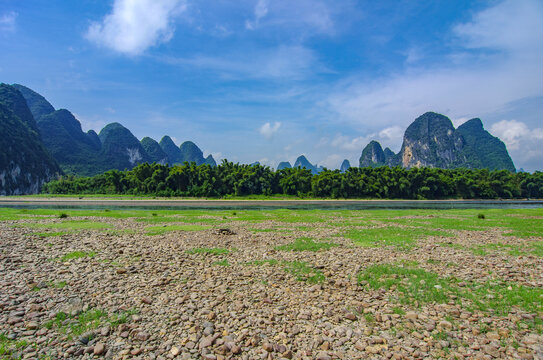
432 141
40 142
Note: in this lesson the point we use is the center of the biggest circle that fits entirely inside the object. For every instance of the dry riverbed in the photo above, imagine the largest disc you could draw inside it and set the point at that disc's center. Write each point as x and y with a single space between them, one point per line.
266 289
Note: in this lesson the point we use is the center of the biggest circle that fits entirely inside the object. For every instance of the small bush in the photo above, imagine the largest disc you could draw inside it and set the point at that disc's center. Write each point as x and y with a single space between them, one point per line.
63 216
481 216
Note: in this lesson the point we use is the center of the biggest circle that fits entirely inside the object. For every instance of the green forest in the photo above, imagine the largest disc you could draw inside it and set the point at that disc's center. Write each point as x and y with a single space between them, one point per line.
229 179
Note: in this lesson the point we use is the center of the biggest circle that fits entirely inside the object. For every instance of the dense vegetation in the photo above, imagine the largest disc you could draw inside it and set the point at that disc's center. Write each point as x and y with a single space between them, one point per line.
24 162
241 180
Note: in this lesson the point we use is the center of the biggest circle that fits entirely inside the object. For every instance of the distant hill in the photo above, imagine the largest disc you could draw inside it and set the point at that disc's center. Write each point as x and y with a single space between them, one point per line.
192 153
77 152
284 165
372 155
345 165
120 148
175 156
432 141
37 104
154 151
88 153
25 163
302 162
481 149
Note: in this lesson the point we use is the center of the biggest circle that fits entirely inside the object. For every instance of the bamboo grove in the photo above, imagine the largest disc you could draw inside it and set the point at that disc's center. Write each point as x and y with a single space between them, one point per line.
229 179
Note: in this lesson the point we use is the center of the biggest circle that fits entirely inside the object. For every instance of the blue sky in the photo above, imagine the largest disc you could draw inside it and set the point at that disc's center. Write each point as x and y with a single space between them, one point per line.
268 80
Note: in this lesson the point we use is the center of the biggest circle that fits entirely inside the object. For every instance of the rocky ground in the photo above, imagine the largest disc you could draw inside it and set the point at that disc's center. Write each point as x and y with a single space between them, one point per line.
120 295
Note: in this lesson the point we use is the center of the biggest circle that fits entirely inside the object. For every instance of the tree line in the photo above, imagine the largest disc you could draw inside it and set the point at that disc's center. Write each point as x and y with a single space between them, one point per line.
229 179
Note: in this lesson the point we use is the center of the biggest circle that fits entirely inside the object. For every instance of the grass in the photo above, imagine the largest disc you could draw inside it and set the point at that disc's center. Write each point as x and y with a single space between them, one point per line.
306 244
303 272
8 346
77 255
212 251
416 286
160 230
223 262
390 236
411 284
57 284
74 326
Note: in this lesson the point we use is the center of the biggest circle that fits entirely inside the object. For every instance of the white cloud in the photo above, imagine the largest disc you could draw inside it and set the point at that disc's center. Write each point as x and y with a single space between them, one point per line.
135 25
268 130
514 133
332 161
8 22
510 25
261 9
525 144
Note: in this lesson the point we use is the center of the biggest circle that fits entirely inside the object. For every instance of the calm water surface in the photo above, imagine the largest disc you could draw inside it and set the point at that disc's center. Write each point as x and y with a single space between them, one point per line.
273 204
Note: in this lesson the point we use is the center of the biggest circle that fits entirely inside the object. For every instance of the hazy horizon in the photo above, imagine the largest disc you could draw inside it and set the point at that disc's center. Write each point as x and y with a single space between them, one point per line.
269 81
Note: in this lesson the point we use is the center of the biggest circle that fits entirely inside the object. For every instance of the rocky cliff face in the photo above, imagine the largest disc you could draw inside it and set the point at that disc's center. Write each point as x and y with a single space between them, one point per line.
372 155
432 141
25 163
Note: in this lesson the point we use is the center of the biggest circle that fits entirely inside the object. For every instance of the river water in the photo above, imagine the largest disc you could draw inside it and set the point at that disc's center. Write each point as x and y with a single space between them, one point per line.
269 204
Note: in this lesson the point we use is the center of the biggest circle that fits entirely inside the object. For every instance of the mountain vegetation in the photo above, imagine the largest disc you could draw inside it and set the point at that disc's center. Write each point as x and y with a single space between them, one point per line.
25 163
372 155
87 154
154 151
238 179
77 152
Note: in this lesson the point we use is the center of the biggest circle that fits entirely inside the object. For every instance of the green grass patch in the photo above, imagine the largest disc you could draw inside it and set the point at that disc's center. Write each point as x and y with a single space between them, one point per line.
160 230
306 244
212 251
303 272
412 285
7 346
74 326
77 255
418 286
223 262
390 236
57 284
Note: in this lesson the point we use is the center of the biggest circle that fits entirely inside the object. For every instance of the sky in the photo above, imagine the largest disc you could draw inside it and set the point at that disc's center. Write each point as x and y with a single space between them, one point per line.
269 80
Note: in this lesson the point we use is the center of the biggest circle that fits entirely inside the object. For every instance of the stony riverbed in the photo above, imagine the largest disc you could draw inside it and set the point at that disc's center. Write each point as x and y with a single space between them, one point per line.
120 294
